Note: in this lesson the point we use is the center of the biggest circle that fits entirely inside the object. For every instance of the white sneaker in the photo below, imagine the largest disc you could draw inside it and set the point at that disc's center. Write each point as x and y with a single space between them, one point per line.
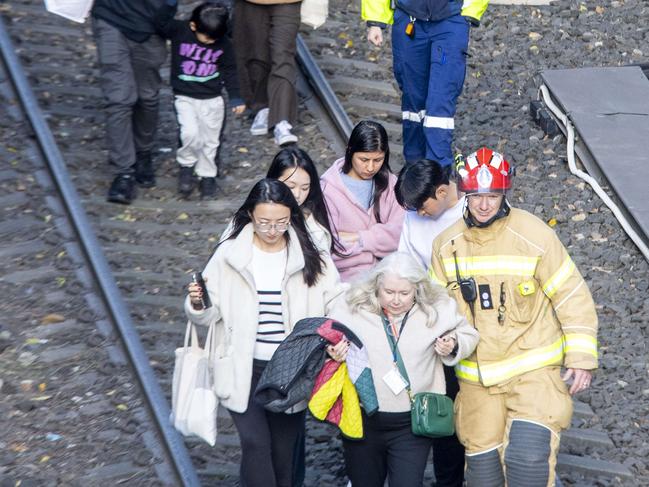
283 134
260 123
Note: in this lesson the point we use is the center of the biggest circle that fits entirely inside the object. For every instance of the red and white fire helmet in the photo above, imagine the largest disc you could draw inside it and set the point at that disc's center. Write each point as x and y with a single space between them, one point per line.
484 171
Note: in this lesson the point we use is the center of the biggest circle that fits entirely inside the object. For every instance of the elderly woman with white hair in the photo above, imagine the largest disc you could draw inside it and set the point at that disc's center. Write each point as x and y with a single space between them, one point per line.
405 322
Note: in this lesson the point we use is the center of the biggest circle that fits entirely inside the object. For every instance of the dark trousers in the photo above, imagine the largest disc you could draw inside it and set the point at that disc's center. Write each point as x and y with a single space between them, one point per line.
130 81
265 36
389 449
448 452
269 441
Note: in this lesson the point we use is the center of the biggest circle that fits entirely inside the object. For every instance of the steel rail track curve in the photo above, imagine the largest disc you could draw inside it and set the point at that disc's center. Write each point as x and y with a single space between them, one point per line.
98 264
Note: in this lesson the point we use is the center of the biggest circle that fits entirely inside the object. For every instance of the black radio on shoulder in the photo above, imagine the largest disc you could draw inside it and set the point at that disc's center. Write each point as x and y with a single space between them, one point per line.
197 278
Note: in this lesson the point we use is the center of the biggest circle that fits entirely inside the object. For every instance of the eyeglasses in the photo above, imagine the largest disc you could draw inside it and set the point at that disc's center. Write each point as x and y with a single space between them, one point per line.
267 227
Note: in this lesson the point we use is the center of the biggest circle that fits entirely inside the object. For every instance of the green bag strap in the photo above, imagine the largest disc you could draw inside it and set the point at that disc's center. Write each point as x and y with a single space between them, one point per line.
396 354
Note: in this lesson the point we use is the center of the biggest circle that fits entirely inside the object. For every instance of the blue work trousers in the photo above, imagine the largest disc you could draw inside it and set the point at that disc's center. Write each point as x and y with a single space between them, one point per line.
429 67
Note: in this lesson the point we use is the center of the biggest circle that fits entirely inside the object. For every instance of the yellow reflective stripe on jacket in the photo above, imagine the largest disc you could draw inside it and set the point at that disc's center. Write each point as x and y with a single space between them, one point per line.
559 277
510 265
474 8
581 343
467 370
498 372
433 277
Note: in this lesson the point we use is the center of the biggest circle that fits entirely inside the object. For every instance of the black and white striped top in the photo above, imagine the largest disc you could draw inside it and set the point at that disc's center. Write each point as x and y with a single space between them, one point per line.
268 271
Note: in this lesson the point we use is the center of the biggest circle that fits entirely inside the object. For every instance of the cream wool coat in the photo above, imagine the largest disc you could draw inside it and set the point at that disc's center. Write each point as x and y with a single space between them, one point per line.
423 364
235 307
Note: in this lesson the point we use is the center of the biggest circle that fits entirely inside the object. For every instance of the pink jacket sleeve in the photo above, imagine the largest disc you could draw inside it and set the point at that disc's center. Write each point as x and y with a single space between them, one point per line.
383 238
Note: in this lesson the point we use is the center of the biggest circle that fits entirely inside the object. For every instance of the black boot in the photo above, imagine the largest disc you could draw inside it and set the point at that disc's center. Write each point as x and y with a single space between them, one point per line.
122 190
144 173
208 188
186 181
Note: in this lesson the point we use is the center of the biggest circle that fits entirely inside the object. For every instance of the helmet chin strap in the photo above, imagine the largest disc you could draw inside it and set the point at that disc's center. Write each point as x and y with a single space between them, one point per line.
502 212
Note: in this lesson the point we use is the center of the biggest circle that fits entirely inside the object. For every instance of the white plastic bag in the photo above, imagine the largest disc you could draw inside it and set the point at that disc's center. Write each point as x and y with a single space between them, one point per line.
76 10
314 12
193 402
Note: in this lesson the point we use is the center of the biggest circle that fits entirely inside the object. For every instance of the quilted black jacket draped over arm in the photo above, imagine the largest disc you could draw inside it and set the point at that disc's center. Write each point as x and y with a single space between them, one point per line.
290 375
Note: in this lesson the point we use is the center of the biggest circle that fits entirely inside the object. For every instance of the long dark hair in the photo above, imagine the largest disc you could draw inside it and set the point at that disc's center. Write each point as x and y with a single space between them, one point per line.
274 191
292 157
370 136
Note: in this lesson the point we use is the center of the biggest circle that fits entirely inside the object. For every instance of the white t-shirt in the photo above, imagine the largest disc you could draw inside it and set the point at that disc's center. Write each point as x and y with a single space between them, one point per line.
268 270
418 232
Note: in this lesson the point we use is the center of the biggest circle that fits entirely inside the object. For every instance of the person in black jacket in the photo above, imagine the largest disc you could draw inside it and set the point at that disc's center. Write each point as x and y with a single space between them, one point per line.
202 63
130 55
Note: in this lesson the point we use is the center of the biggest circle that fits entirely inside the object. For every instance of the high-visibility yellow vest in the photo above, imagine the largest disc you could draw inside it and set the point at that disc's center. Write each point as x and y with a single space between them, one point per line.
548 315
381 10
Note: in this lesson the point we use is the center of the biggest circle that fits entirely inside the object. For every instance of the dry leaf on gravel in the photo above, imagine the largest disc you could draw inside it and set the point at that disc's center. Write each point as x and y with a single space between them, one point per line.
52 318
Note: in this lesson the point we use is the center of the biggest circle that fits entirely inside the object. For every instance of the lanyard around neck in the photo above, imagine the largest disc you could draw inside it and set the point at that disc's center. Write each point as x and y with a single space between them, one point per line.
389 331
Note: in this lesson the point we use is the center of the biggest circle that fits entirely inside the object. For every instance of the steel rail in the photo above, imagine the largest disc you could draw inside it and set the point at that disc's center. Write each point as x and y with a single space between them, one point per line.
323 89
113 300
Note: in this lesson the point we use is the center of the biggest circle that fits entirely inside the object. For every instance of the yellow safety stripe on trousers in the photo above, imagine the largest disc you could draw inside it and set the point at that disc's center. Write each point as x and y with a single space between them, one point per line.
580 343
509 265
498 372
557 280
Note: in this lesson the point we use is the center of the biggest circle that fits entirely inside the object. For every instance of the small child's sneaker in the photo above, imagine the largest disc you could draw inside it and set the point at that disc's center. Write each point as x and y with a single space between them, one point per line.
283 134
185 181
260 123
207 188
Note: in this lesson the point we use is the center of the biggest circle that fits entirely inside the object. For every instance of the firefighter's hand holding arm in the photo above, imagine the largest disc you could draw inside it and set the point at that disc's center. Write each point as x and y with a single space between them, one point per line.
581 379
375 35
445 344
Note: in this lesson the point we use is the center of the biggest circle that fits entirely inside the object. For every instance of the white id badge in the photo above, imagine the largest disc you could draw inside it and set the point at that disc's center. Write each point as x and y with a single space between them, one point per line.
395 381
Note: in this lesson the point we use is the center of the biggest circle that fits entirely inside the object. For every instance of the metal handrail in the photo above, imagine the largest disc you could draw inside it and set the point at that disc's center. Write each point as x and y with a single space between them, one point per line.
90 245
323 89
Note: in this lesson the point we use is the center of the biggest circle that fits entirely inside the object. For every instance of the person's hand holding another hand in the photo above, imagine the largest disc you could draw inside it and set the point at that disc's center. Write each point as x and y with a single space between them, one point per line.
444 345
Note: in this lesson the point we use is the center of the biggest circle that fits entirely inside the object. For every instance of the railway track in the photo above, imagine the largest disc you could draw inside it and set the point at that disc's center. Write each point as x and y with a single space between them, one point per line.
153 245
61 251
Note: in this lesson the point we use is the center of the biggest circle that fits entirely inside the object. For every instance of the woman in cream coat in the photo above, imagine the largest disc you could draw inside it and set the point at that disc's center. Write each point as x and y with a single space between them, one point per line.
396 297
261 280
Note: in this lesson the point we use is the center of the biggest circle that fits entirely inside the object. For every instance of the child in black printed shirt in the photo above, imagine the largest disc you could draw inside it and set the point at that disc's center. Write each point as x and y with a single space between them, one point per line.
202 63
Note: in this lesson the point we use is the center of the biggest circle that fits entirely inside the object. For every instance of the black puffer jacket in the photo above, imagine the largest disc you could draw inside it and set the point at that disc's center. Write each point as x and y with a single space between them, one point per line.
290 375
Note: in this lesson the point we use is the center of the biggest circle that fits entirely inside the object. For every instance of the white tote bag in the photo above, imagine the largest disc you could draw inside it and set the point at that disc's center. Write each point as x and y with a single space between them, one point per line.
193 402
76 10
314 12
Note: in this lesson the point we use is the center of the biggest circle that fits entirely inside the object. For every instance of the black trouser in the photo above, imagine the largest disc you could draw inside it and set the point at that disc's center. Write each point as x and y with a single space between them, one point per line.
388 449
268 441
448 452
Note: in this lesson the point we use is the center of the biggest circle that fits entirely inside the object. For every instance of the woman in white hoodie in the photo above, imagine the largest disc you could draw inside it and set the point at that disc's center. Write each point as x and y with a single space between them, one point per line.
263 278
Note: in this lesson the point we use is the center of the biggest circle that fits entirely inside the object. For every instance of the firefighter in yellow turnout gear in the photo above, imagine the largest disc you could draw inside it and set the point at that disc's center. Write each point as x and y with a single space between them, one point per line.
518 285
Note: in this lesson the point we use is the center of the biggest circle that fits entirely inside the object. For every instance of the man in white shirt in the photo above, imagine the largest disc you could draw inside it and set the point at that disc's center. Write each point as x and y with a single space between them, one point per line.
427 190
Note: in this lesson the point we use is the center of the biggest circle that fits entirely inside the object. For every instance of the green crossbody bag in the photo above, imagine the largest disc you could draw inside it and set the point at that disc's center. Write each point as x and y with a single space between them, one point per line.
431 414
